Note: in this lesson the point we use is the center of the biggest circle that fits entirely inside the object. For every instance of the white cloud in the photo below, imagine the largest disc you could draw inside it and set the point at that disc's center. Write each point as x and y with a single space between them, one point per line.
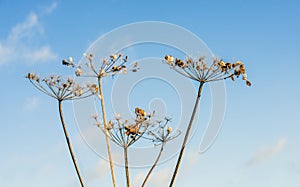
24 29
42 54
268 152
50 9
23 43
5 53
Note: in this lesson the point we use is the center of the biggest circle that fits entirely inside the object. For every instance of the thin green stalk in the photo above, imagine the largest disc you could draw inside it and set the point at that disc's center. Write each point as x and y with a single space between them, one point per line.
69 143
186 135
155 163
106 132
126 166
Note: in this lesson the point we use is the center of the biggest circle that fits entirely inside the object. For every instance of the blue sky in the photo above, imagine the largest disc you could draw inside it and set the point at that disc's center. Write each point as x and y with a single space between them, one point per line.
259 141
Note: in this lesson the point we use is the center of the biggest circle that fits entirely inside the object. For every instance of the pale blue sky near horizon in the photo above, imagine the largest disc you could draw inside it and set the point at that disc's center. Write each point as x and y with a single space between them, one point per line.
259 141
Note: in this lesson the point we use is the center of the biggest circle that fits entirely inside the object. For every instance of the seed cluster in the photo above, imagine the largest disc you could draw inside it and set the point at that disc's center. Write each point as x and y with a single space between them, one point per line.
126 132
140 113
115 64
161 132
60 89
201 71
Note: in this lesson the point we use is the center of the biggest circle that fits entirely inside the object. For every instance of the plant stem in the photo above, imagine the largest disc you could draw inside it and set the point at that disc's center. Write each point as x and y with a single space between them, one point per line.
155 163
126 166
69 143
186 135
106 133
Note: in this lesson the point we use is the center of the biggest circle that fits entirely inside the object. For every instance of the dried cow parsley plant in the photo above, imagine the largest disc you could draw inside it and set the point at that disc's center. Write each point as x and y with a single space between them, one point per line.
62 90
126 132
202 72
115 64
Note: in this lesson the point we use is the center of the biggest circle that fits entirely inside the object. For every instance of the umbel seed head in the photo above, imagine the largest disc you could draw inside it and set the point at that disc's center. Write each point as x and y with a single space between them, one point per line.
201 71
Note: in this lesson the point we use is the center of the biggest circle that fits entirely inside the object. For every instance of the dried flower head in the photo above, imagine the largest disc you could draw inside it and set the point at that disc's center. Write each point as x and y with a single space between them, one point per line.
95 116
169 130
77 90
200 71
169 58
115 64
78 72
93 88
33 77
161 132
126 132
140 112
58 88
113 56
68 62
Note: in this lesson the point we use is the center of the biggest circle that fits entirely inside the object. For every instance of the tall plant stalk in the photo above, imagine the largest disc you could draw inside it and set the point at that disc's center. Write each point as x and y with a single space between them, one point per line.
125 149
69 143
154 164
106 132
187 135
126 166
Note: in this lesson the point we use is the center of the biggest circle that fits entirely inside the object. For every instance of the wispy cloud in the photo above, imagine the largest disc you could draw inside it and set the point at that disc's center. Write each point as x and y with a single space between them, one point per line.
23 43
266 153
50 8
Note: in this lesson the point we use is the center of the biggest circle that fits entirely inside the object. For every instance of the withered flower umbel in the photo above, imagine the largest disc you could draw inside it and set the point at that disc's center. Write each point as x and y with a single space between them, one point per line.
126 132
115 64
161 132
201 71
60 89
